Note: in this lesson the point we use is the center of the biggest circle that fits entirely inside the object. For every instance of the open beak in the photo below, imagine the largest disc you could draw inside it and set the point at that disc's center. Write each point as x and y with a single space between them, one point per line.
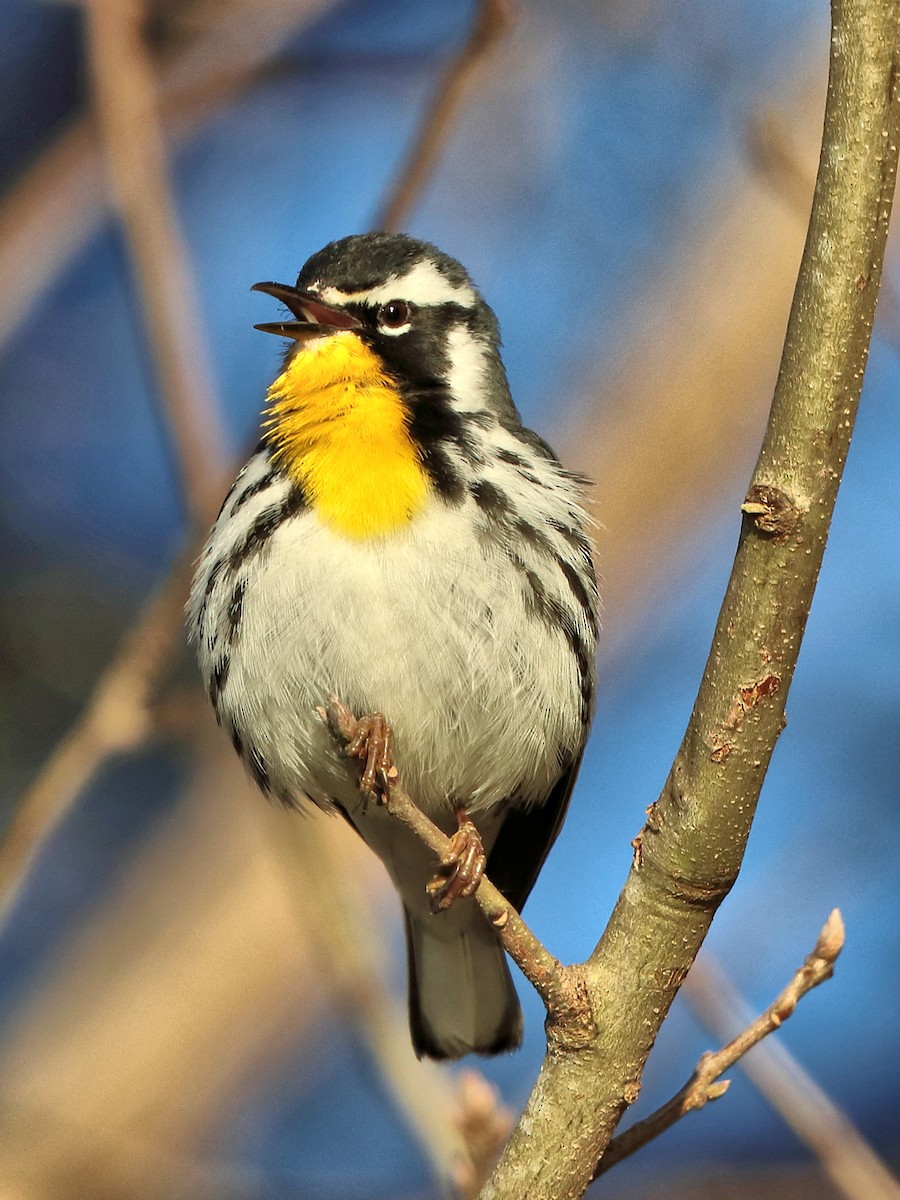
314 317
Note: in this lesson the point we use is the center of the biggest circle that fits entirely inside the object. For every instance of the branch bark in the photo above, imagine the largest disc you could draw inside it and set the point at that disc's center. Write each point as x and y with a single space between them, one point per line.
692 845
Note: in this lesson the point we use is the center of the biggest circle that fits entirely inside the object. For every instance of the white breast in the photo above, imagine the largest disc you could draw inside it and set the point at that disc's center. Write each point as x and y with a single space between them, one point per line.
429 626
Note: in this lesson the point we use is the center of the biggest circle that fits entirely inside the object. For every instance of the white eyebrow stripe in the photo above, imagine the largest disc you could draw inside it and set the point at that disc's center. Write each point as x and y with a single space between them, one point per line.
422 285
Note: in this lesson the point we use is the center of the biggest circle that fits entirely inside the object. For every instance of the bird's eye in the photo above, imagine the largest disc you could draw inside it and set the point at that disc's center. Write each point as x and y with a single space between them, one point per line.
394 314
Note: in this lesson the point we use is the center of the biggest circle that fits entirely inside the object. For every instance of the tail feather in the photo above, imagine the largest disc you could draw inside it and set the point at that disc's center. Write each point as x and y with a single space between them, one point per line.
461 996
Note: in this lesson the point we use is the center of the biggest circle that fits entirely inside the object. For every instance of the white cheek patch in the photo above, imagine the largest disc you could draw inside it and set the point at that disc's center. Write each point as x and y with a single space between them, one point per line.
467 376
423 285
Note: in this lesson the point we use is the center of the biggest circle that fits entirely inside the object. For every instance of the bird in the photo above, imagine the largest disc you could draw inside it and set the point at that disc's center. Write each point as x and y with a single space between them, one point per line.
401 543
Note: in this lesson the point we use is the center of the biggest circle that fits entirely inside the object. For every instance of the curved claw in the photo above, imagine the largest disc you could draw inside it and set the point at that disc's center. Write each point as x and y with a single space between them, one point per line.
461 869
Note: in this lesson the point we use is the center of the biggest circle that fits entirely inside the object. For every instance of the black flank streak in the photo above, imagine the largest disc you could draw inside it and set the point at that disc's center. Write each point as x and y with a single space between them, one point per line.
513 459
235 610
577 541
253 761
261 446
484 420
585 674
469 449
576 583
490 499
253 490
257 535
236 739
228 496
556 616
219 678
532 536
443 473
536 598
256 765
214 573
265 525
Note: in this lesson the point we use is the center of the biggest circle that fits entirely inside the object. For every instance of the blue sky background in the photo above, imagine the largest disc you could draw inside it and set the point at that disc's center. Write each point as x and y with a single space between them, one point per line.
566 189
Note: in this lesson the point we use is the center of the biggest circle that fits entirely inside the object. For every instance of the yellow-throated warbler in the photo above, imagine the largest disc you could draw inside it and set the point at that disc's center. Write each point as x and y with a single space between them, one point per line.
400 540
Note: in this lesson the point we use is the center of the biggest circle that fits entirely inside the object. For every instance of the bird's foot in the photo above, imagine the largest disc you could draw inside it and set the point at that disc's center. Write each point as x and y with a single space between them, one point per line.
369 738
460 870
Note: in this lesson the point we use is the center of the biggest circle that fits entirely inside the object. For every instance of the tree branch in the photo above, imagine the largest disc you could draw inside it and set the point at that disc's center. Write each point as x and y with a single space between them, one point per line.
692 845
702 1086
846 1157
492 20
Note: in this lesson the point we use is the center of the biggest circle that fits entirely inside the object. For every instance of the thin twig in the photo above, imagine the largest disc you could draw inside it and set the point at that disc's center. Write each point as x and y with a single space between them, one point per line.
558 986
851 1163
125 103
704 1084
492 20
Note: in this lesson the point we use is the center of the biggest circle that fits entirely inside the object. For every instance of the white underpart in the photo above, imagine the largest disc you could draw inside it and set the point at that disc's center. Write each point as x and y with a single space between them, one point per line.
423 285
434 625
426 625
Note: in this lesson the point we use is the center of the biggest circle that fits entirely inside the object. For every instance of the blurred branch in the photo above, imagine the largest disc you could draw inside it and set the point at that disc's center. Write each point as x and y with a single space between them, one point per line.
336 906
702 1086
485 1124
493 19
116 720
773 152
118 717
154 1019
854 1168
693 843
125 104
55 206
670 457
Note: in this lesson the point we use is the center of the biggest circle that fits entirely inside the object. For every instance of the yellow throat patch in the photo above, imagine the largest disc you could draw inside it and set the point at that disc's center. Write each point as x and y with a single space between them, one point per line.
340 429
